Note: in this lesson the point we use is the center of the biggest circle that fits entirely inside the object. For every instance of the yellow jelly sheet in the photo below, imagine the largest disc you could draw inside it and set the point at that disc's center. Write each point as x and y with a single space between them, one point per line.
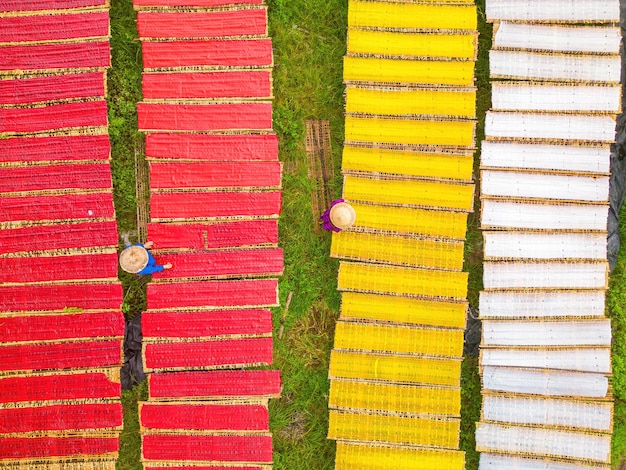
434 101
407 15
412 44
424 163
444 254
416 101
394 429
411 220
395 368
438 194
351 456
447 133
399 339
425 72
357 305
399 280
395 398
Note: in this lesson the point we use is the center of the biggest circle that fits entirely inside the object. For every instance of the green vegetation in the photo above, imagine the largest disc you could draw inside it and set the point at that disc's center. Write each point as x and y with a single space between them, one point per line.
309 38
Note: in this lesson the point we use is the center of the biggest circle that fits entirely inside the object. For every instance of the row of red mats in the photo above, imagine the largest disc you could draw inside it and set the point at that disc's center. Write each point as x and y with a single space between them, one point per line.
251 116
55 148
164 422
197 236
217 384
209 147
37 5
53 117
52 88
212 147
62 207
182 205
199 175
226 263
207 85
56 177
54 27
202 24
51 57
60 342
58 237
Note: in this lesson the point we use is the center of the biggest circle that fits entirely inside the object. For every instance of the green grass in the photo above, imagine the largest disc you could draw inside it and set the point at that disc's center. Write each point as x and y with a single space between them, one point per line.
309 43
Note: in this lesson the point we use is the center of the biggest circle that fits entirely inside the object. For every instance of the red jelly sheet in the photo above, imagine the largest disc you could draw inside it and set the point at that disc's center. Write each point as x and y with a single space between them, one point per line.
213 205
80 55
213 175
242 293
35 178
16 448
207 417
193 3
216 235
206 354
208 53
54 27
51 88
204 117
249 22
58 268
58 236
58 387
58 327
26 5
54 116
253 449
60 296
232 263
76 147
74 355
215 384
61 417
205 324
62 207
207 85
213 147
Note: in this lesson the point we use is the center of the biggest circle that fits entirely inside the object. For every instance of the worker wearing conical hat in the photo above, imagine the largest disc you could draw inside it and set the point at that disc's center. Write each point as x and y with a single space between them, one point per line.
137 259
340 216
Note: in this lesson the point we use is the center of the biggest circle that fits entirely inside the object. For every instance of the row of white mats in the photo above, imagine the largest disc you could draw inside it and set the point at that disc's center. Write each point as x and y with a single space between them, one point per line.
570 11
556 53
560 357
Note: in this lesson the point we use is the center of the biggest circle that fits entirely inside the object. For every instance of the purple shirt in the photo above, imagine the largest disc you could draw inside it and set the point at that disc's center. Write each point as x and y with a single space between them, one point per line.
325 217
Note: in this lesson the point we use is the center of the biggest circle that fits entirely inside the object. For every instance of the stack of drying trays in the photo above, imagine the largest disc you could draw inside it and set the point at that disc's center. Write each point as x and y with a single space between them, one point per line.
545 357
62 327
407 166
215 197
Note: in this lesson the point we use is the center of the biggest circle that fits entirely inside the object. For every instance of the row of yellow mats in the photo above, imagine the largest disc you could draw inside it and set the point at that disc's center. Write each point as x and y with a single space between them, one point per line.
407 164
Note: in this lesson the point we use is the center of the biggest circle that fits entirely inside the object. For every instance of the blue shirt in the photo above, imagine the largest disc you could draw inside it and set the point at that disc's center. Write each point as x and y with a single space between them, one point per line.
151 267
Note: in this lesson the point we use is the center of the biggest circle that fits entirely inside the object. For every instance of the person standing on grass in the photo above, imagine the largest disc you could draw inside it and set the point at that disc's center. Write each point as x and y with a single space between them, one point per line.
136 259
340 216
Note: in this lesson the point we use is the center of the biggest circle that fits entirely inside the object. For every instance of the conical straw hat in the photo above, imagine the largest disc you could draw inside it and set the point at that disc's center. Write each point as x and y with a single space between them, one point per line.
342 215
133 259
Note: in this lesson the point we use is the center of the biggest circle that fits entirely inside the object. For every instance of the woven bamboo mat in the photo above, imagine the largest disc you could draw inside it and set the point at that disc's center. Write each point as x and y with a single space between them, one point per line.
320 166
